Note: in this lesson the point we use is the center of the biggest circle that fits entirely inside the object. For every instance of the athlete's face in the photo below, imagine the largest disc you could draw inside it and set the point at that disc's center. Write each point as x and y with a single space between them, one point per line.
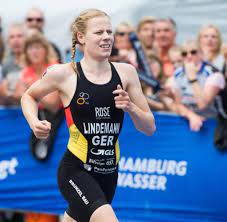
98 39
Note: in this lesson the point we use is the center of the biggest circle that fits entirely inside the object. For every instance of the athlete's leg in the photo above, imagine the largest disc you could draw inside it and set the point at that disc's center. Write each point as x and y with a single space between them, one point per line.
103 214
67 218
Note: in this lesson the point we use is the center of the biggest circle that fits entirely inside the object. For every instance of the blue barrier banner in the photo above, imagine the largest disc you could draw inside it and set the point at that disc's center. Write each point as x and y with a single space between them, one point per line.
175 175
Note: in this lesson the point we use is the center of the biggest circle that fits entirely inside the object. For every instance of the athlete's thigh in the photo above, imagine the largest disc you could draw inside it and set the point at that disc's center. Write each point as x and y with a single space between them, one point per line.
103 214
82 192
108 184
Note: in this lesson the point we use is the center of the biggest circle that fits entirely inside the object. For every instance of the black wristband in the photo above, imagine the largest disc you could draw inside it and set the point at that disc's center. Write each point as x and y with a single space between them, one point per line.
192 80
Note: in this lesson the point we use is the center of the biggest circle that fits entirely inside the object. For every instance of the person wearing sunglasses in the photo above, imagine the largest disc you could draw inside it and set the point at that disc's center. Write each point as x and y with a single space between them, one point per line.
196 85
35 20
122 49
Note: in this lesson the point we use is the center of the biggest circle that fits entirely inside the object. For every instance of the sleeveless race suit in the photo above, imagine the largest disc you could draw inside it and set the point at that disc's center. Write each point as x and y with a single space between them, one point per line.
87 174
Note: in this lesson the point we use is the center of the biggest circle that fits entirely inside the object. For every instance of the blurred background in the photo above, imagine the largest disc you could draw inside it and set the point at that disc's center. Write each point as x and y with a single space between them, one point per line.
188 14
179 48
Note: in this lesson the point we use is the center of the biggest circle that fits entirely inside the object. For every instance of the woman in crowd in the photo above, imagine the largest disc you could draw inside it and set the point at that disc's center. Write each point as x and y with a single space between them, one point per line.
37 56
195 85
122 49
210 42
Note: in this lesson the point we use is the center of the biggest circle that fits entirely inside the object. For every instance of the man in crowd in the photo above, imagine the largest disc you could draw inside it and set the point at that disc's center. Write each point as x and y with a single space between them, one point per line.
165 35
16 36
35 20
145 31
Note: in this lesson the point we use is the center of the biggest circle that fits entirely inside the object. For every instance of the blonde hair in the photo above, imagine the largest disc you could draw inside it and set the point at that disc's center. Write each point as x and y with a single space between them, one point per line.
80 25
191 42
210 26
145 20
38 38
124 24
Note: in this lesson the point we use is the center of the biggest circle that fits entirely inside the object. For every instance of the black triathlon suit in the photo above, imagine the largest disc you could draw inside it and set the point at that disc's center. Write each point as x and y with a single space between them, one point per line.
88 172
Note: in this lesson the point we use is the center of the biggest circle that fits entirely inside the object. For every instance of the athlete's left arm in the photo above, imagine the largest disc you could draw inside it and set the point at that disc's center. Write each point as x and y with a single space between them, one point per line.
133 101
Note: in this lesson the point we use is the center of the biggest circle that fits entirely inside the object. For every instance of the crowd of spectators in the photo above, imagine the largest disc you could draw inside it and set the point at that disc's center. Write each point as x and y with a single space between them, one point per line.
192 75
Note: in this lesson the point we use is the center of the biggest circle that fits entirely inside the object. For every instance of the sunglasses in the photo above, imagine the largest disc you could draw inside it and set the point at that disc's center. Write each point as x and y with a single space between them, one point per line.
122 33
192 52
35 19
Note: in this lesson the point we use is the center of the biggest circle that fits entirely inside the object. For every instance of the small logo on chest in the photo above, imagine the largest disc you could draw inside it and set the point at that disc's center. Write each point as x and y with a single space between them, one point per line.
83 98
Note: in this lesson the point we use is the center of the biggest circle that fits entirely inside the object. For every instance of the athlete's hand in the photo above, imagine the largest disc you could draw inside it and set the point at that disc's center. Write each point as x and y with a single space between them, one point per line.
41 129
122 99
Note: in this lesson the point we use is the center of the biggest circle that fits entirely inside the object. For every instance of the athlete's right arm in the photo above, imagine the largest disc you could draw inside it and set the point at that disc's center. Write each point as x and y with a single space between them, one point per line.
29 101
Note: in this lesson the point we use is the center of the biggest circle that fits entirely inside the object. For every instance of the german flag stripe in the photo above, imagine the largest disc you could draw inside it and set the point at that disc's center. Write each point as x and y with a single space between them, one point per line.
68 116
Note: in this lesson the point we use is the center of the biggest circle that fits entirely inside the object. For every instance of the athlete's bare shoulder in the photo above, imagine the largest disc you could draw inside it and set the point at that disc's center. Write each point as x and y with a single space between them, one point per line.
126 72
124 67
58 73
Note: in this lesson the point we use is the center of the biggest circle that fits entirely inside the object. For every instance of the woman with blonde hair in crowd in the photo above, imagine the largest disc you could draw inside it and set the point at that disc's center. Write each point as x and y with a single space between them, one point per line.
195 85
210 41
